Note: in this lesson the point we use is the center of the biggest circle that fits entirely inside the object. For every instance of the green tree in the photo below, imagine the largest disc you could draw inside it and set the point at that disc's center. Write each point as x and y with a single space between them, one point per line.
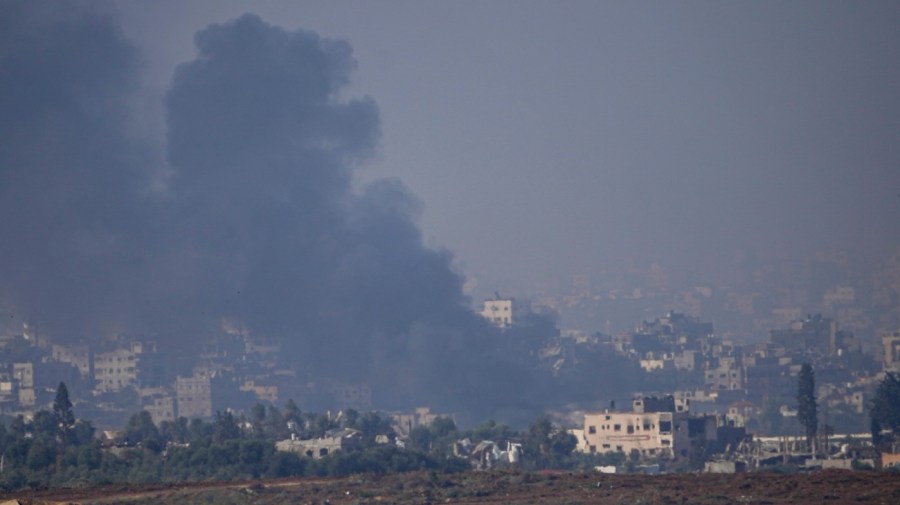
140 430
44 426
62 410
225 428
807 410
258 418
82 433
419 439
62 407
442 426
175 431
562 443
371 425
276 426
292 413
40 455
351 418
885 407
537 439
490 430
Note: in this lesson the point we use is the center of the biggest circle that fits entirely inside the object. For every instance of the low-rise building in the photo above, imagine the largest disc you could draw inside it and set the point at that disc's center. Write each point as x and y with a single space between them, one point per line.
159 403
504 312
663 434
334 440
78 356
405 422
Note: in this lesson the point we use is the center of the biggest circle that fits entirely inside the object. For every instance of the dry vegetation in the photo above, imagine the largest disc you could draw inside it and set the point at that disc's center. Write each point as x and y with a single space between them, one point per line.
836 487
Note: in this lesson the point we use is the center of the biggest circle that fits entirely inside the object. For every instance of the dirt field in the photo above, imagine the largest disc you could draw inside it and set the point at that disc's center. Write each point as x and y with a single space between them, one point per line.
835 487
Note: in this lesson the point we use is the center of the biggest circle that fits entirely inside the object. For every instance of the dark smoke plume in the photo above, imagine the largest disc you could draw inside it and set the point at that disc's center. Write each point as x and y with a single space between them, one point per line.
254 219
73 187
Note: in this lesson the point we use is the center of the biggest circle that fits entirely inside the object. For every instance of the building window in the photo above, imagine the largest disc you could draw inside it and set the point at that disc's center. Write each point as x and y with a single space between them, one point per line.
592 429
593 449
630 429
606 446
665 426
617 427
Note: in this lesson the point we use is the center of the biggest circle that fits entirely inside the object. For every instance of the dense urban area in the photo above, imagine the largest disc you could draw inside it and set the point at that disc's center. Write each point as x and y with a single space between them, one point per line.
672 395
603 252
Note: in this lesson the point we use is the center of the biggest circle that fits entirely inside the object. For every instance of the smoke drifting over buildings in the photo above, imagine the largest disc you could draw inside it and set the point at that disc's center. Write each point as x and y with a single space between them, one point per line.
248 212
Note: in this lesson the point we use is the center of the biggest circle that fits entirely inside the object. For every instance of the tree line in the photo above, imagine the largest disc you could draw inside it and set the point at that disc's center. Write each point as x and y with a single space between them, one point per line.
54 449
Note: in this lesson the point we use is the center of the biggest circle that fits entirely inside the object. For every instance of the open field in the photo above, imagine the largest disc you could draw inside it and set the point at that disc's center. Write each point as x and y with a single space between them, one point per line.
837 487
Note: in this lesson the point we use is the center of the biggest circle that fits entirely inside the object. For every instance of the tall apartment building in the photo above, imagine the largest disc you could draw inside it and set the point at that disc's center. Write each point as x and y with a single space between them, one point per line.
193 396
115 370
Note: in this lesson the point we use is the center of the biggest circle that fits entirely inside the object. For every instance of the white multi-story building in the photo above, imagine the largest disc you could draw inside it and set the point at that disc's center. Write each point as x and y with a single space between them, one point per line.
504 312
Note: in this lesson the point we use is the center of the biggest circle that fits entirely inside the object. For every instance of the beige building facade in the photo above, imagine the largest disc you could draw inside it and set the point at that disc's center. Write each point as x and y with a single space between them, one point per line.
193 396
652 434
115 370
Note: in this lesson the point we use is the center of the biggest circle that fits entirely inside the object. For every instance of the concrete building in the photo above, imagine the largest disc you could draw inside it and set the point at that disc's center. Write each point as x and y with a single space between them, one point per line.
813 334
890 344
504 312
263 393
193 396
726 373
23 376
78 356
839 295
405 422
334 441
653 434
159 403
115 370
348 396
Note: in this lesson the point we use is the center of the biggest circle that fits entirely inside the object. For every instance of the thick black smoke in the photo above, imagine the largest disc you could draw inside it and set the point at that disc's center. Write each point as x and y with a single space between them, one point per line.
73 187
255 219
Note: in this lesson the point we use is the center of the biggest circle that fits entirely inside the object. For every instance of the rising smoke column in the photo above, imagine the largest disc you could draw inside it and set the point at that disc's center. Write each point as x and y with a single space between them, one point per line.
255 219
263 147
72 185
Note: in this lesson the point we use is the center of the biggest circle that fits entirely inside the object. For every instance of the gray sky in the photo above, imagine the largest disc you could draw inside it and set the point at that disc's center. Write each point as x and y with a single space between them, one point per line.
544 138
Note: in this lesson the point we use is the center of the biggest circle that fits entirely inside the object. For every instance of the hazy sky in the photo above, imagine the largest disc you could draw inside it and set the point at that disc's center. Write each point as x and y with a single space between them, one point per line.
544 138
